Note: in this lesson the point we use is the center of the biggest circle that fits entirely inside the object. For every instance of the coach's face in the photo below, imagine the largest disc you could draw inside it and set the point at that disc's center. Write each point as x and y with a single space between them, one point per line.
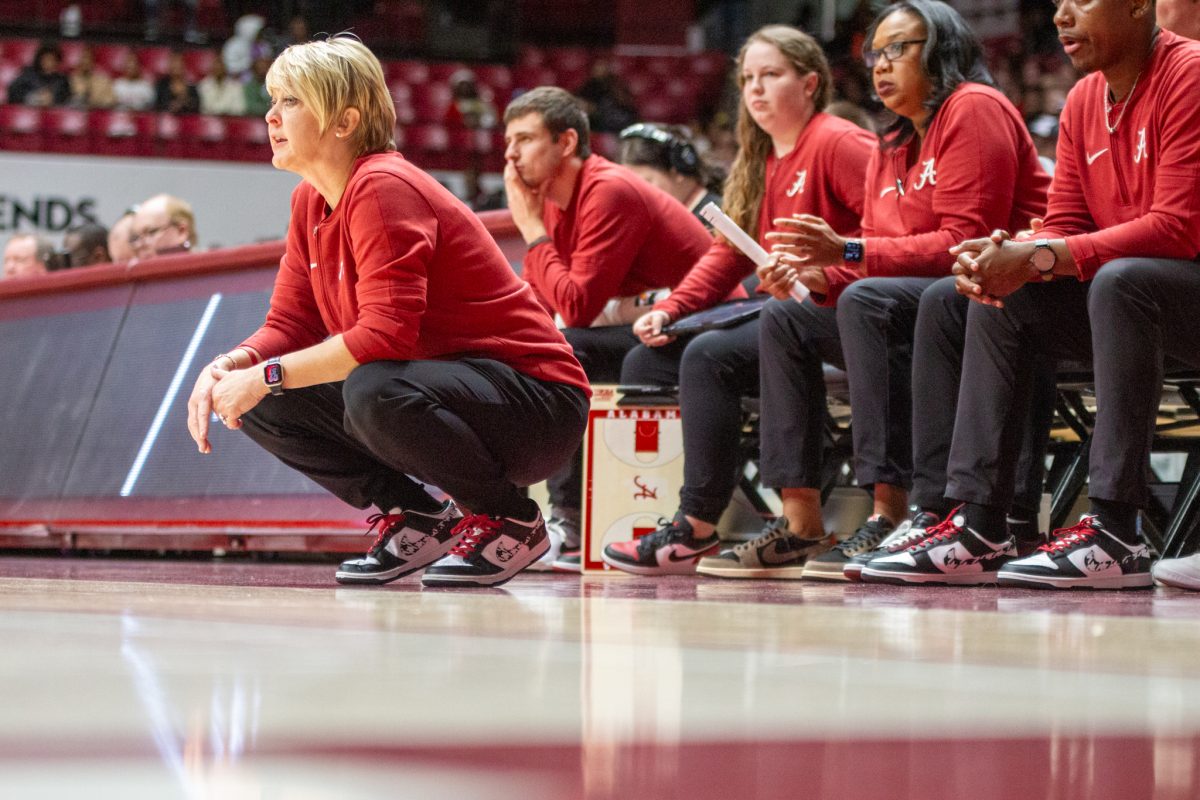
20 258
1095 33
531 149
901 82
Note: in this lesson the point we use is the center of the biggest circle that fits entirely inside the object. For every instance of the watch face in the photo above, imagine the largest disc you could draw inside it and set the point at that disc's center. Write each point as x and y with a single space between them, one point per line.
273 373
1043 259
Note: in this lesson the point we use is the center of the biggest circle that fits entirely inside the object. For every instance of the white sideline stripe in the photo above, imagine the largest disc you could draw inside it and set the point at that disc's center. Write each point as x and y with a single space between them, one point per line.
186 364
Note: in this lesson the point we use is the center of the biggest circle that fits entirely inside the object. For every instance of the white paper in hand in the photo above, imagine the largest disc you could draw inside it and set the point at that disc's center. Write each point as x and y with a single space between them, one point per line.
743 242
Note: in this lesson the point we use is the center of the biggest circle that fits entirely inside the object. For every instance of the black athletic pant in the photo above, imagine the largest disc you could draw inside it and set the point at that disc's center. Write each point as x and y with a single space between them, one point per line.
795 339
936 374
600 351
713 370
1134 316
475 428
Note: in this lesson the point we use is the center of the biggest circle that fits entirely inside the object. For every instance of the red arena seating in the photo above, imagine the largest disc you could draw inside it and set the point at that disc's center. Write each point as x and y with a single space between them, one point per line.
21 128
66 130
431 101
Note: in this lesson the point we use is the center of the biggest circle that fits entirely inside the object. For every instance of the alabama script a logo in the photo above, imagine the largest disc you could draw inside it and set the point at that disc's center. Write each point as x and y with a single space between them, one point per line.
928 175
798 186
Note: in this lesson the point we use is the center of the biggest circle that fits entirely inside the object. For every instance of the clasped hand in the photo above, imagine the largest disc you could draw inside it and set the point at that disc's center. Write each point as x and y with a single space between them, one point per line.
227 393
988 270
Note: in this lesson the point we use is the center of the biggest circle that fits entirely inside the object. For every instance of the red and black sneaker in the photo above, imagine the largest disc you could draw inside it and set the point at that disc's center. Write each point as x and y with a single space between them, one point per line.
492 550
406 542
1086 556
670 550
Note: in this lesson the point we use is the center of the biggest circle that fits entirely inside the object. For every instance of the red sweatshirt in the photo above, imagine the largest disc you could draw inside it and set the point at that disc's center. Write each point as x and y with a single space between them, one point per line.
822 175
618 236
404 271
975 170
1135 192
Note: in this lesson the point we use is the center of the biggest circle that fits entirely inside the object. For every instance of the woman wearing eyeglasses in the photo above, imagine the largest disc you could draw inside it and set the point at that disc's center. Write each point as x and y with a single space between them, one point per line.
792 158
956 162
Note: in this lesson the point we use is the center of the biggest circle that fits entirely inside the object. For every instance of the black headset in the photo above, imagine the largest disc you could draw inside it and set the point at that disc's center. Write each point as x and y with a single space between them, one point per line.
681 155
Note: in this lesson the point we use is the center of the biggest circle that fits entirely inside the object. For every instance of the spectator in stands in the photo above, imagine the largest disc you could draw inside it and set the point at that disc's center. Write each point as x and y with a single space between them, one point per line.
666 156
120 236
245 45
793 158
173 92
398 343
163 225
91 87
220 92
598 236
469 109
1110 278
133 89
28 254
258 99
154 20
950 131
609 102
84 245
42 82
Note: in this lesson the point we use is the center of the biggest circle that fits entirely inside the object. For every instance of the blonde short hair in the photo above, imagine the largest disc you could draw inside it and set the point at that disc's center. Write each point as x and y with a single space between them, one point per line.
332 75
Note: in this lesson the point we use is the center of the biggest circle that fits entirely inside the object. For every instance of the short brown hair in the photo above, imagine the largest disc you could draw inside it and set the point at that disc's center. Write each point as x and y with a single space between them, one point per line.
560 112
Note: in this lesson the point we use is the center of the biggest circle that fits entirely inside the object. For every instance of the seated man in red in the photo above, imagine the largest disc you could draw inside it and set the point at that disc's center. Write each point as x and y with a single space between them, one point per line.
596 232
1112 278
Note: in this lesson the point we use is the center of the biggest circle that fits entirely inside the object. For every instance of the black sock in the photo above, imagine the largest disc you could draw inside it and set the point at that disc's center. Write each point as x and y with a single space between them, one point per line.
988 521
1119 519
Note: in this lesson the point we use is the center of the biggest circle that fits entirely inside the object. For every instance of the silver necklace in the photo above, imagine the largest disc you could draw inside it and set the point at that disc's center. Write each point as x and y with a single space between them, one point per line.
1129 97
1124 107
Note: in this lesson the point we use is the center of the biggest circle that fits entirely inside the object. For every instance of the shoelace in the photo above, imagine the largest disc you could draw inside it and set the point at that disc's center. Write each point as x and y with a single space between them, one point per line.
774 530
943 531
477 530
667 532
864 538
385 523
1067 538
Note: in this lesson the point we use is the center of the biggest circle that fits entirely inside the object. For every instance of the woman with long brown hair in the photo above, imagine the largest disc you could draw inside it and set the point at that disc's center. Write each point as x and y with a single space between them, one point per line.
793 158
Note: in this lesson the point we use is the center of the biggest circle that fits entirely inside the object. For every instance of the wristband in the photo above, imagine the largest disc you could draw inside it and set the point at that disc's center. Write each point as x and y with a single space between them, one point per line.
539 240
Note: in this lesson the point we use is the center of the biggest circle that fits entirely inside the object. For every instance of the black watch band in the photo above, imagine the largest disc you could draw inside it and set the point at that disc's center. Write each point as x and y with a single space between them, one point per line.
273 375
536 242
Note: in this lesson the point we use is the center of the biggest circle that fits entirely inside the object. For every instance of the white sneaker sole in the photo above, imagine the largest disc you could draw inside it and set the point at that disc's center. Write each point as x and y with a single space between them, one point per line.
869 575
1166 577
1138 580
518 564
396 573
761 573
818 571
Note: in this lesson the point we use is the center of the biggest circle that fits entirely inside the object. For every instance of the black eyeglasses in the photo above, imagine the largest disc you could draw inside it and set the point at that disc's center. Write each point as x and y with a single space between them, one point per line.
891 51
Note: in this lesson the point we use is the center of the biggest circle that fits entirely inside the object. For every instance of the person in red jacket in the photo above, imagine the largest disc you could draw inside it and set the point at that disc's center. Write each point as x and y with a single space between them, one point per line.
598 236
792 158
1111 278
398 343
952 131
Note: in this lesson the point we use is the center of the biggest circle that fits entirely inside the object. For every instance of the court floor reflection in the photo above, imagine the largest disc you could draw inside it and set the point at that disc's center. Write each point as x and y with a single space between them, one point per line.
168 679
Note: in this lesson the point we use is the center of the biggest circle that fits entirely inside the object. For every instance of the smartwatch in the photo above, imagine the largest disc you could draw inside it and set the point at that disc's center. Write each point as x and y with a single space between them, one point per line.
273 375
852 252
1043 259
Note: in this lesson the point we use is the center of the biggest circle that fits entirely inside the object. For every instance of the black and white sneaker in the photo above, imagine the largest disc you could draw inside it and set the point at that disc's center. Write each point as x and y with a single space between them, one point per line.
492 550
670 550
1087 556
830 566
905 535
406 542
950 553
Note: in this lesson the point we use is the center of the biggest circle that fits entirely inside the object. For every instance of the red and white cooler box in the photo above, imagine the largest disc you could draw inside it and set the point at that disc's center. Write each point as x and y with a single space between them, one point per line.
632 471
